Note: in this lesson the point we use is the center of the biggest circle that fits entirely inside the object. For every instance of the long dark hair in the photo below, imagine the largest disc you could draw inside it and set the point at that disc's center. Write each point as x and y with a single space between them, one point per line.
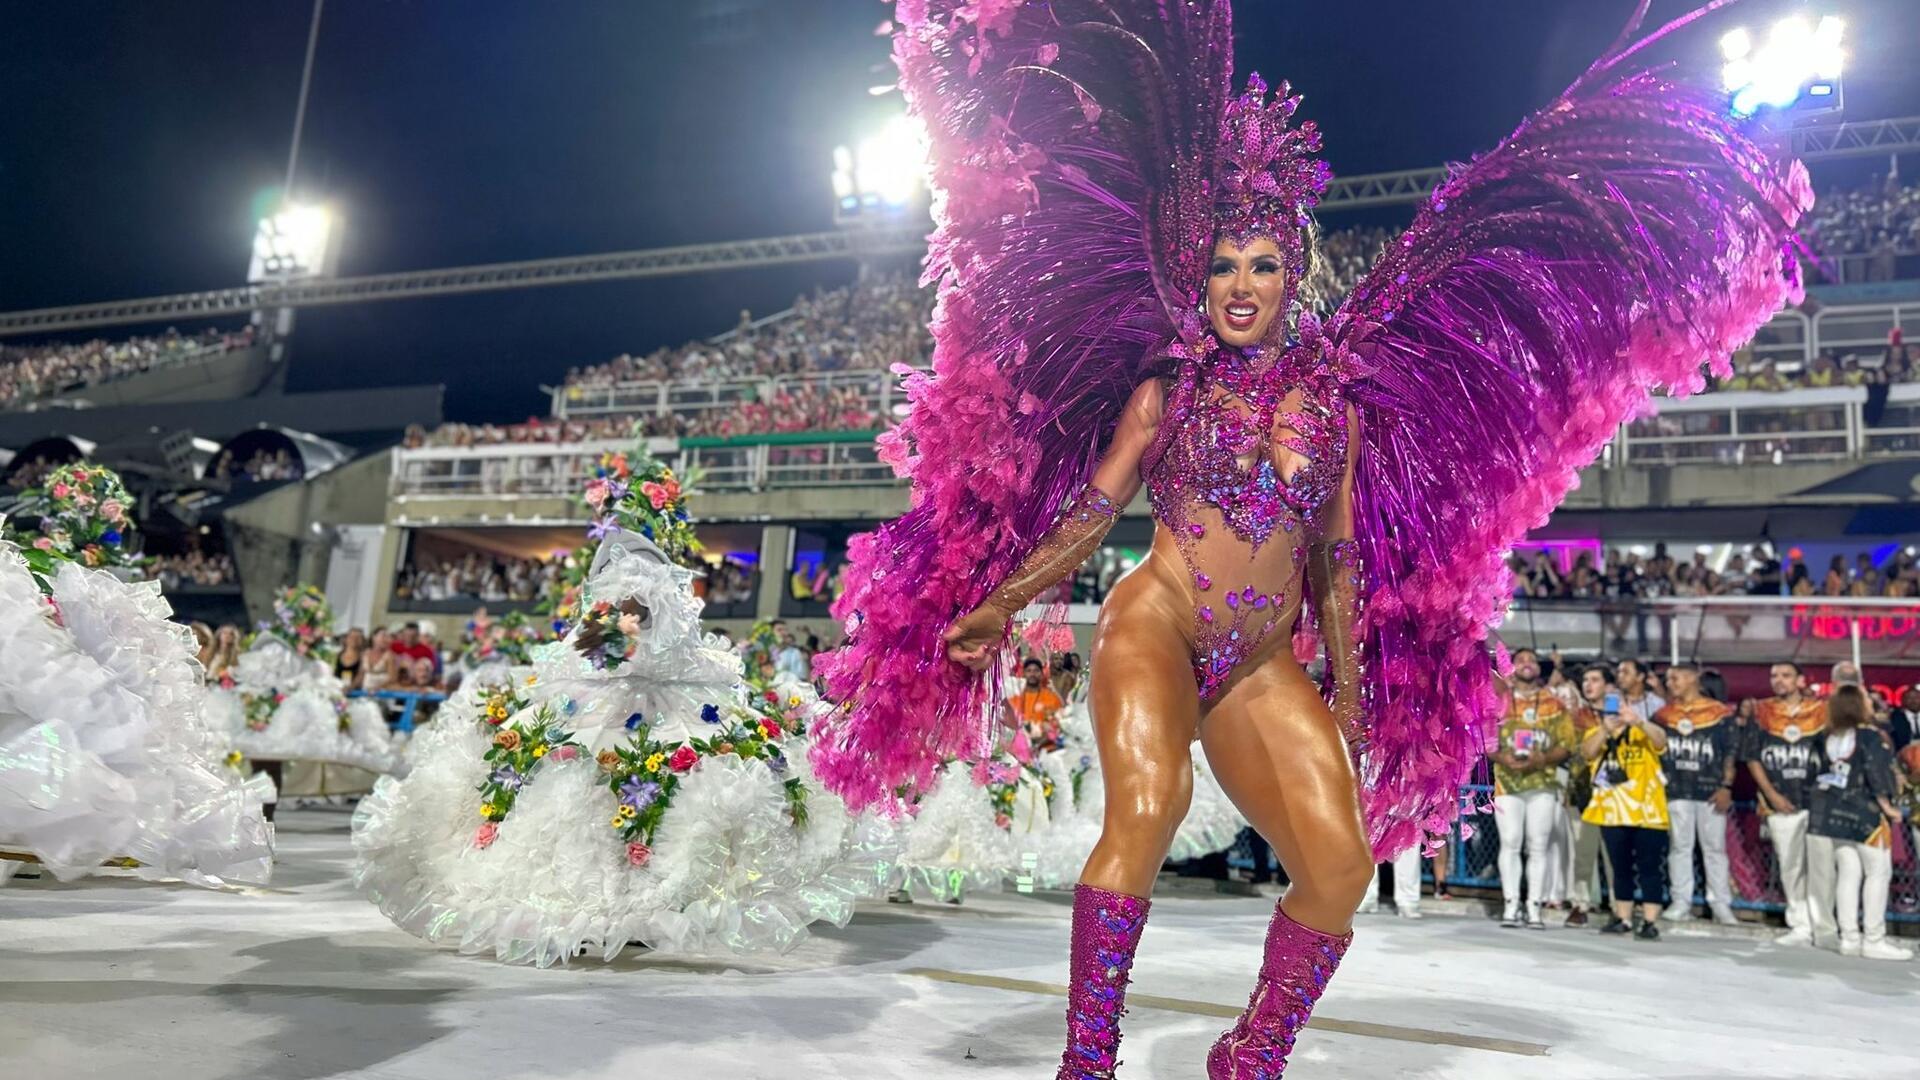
1848 708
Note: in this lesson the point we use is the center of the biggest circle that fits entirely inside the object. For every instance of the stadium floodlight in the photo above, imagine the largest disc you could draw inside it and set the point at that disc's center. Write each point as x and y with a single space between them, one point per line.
1799 63
295 242
884 174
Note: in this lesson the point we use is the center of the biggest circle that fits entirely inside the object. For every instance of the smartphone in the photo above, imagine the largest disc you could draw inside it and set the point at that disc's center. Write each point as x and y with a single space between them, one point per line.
1611 706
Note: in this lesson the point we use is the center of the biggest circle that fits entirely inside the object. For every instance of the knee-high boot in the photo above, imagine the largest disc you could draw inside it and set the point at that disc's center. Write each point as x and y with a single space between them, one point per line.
1106 931
1299 962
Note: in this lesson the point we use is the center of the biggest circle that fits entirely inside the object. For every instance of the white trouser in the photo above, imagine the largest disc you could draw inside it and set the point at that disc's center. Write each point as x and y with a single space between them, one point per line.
1789 835
1406 881
1692 818
1851 881
1370 903
1525 822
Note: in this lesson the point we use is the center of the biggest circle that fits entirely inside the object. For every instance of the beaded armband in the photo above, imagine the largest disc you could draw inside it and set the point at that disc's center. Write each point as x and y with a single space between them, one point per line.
1075 536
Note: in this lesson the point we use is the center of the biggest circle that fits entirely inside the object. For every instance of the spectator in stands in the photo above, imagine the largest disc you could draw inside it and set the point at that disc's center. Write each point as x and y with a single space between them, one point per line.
35 371
1629 805
1583 847
788 657
1535 737
226 651
1845 673
1636 692
1779 752
410 644
350 665
1903 723
1065 669
1699 762
1617 585
1037 707
1849 846
202 641
383 661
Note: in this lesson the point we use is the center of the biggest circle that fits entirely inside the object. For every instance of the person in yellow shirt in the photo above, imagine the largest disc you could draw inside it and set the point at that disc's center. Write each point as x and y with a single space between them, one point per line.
1629 804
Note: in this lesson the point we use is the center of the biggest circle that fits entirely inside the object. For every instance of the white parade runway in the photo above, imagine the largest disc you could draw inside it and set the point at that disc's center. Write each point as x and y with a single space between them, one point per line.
305 980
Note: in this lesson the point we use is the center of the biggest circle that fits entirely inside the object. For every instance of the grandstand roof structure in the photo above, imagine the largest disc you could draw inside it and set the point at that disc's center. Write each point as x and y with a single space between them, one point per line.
1869 138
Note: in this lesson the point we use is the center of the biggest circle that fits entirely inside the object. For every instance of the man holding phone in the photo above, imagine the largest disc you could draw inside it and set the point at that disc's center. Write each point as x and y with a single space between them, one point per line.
1535 737
1779 752
1598 697
1700 755
1630 805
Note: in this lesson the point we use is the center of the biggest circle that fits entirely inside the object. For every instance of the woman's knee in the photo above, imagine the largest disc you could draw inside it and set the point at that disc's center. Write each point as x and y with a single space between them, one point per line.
1154 805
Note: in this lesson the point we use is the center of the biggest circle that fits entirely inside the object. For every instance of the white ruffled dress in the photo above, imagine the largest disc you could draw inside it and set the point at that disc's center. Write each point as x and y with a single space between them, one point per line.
315 721
106 749
729 871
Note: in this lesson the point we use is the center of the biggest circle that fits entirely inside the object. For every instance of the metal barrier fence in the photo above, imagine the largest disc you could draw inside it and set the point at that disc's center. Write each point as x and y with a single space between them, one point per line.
1732 429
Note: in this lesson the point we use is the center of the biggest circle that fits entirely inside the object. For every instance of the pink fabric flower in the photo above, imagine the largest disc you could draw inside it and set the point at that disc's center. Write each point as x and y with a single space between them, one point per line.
683 759
630 624
638 854
43 544
564 753
596 493
113 511
61 491
484 837
655 494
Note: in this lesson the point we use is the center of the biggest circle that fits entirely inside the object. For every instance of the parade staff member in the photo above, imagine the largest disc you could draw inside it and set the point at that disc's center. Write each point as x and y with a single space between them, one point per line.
1535 737
1037 706
1700 756
1779 752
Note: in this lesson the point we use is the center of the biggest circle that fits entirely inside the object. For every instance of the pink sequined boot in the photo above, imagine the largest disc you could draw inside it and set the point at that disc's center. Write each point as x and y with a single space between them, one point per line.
1106 931
1299 962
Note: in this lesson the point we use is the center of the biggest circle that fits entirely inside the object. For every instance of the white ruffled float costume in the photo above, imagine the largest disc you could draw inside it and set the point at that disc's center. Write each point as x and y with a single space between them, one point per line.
106 753
281 704
648 800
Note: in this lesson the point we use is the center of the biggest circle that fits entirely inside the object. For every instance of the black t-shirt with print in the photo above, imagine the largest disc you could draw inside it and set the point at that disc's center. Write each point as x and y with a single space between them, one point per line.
1845 795
1700 738
1781 739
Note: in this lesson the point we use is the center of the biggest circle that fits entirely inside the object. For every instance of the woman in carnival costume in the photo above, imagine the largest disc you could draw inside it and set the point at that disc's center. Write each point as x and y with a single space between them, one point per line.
105 749
282 701
1120 244
628 786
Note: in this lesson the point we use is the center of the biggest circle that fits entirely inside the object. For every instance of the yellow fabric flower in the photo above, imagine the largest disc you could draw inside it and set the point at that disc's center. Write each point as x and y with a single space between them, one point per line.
653 763
618 822
531 679
486 810
540 751
628 811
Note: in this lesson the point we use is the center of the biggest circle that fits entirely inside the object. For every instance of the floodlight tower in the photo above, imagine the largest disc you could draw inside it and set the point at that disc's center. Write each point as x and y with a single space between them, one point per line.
297 243
1794 75
882 180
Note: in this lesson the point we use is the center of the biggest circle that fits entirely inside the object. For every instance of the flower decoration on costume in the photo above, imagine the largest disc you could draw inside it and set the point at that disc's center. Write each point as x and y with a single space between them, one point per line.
635 491
304 620
617 631
645 775
83 517
258 709
518 749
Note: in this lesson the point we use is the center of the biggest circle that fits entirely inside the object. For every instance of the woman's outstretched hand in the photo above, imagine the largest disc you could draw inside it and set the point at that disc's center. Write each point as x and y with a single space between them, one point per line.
974 636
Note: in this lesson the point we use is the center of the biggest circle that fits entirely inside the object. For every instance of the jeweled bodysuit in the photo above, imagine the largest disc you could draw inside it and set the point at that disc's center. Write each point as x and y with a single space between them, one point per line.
1251 448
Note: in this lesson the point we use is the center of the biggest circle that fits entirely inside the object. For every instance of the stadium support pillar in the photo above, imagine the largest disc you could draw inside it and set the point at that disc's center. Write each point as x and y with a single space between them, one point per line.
776 557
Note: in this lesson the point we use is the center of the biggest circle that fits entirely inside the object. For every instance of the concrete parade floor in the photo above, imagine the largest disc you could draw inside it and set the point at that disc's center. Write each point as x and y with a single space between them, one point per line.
124 979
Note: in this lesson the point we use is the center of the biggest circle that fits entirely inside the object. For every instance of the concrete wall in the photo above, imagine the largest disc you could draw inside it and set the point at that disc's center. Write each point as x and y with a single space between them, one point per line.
273 538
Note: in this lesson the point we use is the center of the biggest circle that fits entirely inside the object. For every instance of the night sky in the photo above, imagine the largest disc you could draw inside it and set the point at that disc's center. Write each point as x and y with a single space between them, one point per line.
137 140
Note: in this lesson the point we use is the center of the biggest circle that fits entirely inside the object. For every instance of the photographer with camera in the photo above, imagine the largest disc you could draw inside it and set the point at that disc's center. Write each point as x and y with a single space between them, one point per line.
1629 804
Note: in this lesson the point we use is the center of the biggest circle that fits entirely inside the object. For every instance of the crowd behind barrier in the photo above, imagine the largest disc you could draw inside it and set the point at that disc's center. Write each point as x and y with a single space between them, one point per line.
30 372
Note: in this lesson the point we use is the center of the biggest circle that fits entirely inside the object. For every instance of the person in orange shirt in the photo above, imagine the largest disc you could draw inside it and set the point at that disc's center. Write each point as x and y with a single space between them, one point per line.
1699 764
1037 706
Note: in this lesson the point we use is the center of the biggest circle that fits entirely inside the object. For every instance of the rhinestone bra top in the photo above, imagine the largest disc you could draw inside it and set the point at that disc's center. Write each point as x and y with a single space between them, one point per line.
1214 475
